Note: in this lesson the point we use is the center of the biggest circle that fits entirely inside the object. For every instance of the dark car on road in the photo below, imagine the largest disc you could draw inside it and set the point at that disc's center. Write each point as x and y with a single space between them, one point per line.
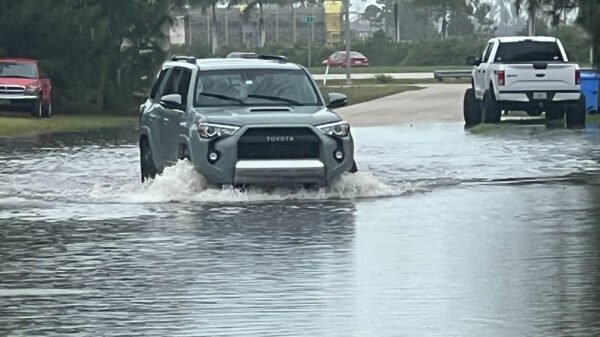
244 121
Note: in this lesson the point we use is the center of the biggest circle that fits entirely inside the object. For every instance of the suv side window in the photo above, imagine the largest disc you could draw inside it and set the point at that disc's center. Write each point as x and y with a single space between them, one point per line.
487 53
157 84
183 86
172 82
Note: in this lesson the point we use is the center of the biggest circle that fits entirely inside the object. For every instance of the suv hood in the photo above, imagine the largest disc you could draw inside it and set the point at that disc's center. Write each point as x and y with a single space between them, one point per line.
244 115
17 81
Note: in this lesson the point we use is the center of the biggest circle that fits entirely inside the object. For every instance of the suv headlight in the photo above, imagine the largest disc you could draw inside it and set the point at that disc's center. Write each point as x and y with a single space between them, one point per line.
339 129
209 131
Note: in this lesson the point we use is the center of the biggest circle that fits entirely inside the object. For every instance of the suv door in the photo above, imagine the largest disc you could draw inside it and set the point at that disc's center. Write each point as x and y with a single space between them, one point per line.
151 117
481 69
172 118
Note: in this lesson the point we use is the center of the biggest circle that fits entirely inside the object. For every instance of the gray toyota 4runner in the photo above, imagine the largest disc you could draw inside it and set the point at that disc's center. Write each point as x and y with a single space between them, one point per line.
244 121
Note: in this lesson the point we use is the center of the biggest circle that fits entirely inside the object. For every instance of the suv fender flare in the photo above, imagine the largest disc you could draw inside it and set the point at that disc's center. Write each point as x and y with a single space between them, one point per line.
145 132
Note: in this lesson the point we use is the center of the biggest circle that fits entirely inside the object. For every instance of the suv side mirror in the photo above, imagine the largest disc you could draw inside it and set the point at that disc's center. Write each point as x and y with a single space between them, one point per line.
172 101
43 76
473 61
337 100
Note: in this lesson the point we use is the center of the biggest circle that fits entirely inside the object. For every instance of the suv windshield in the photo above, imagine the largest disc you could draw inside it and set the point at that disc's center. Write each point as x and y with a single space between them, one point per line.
528 51
11 69
255 87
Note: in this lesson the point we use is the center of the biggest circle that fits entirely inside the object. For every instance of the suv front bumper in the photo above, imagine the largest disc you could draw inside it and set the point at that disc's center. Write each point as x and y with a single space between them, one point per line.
229 169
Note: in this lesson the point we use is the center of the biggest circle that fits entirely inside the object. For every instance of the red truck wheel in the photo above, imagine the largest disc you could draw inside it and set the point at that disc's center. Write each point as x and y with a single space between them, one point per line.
37 109
47 109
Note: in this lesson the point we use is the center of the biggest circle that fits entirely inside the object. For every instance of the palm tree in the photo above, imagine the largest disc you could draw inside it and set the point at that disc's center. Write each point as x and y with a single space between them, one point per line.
443 8
533 7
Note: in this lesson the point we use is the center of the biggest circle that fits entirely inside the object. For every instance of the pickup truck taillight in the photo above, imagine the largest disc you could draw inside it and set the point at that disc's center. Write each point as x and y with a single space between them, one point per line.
577 76
501 77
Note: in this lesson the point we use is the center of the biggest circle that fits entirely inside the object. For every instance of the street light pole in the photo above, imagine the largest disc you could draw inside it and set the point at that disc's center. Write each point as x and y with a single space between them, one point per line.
347 33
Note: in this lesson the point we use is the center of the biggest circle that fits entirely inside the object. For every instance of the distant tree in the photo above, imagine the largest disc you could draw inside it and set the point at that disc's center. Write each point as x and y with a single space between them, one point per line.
92 49
460 24
589 12
443 10
558 9
485 25
251 5
211 5
554 9
375 16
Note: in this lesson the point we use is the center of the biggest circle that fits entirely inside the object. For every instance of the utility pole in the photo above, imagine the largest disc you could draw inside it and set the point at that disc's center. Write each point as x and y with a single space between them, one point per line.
396 23
347 33
189 13
277 24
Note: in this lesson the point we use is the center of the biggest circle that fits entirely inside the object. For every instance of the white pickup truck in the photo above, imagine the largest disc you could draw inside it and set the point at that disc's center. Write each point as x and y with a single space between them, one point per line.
528 73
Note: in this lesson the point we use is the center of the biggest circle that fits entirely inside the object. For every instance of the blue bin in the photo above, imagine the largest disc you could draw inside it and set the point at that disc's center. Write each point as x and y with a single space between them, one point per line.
590 83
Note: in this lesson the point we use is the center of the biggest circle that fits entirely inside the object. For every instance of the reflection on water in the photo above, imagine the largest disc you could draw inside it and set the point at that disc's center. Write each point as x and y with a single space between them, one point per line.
267 269
505 242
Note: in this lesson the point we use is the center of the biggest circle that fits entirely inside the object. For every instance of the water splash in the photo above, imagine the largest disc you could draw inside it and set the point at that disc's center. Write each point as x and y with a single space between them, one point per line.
182 183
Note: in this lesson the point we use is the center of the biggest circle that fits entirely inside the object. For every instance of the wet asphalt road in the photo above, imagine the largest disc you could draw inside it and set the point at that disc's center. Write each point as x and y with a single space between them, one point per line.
442 233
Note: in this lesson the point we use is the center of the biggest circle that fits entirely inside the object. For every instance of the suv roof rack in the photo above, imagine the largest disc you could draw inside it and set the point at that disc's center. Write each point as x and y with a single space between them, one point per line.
280 58
188 59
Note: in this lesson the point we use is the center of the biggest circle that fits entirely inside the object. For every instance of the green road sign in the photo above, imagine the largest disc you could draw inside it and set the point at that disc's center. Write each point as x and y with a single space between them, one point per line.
308 19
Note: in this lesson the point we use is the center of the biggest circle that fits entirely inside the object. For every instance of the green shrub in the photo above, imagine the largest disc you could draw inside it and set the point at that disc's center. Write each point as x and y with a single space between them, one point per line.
452 51
576 42
383 78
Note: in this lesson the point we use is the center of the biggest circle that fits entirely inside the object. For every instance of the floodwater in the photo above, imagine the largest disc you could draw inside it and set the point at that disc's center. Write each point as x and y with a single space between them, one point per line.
443 232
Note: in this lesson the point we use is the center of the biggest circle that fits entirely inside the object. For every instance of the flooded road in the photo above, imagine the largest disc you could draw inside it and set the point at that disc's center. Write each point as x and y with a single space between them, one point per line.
442 233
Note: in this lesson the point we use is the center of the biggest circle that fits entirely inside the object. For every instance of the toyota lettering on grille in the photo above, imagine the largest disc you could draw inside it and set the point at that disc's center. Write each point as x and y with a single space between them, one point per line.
279 139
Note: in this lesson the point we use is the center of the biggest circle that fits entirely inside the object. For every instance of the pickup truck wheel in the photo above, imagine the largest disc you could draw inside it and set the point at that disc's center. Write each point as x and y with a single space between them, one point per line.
47 110
575 117
37 109
555 113
490 111
471 108
147 166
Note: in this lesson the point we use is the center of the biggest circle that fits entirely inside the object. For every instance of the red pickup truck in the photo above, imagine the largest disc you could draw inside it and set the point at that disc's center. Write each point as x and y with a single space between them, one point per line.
24 87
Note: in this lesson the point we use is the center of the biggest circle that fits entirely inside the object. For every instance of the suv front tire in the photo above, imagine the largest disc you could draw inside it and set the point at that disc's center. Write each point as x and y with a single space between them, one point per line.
147 167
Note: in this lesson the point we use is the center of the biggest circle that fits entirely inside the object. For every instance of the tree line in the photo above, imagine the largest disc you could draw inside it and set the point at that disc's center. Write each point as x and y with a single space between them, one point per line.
98 52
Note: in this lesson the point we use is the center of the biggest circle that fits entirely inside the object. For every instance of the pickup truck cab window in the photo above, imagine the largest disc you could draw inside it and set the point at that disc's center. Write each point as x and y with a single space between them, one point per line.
529 51
487 53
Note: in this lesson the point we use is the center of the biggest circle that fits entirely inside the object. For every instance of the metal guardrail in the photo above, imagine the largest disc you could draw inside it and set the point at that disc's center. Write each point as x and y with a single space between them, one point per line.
441 74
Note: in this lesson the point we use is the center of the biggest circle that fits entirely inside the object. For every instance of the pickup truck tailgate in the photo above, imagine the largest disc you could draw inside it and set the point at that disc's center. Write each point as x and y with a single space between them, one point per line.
545 76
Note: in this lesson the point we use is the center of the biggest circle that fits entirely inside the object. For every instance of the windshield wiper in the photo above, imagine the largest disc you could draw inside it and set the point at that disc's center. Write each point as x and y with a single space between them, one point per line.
276 98
224 97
